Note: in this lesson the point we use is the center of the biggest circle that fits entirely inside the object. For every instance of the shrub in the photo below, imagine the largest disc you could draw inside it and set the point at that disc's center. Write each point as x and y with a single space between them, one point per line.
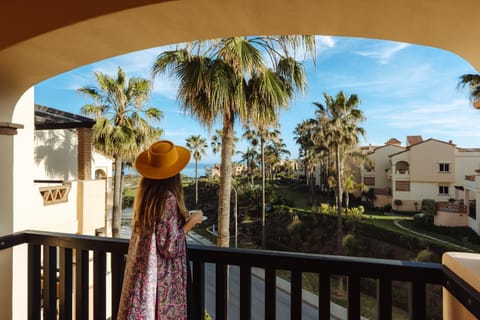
325 208
127 201
349 244
397 202
355 213
428 207
424 255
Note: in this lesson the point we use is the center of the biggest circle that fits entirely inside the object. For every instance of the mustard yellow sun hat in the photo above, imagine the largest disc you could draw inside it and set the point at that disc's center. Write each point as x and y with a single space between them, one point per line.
162 160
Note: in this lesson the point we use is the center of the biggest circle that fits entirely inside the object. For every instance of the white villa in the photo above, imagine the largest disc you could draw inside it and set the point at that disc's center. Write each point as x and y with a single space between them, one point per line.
426 169
73 181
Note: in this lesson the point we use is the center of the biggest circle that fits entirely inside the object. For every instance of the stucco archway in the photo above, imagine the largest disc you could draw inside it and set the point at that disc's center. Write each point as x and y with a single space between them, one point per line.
43 40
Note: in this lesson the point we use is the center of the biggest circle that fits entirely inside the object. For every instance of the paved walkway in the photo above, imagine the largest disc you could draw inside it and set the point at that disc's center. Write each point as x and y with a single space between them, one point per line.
397 223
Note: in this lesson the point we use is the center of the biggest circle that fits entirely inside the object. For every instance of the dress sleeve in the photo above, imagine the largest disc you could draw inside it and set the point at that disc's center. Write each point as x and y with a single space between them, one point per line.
169 233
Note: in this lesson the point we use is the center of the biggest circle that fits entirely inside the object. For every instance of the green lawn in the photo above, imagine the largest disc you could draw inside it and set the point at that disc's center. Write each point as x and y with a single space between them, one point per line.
299 195
458 237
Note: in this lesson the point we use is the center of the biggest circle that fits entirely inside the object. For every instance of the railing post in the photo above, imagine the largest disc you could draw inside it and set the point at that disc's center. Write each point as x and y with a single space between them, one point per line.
49 283
99 285
324 295
81 284
198 289
416 300
353 297
296 295
66 287
245 292
34 282
270 294
384 299
221 291
117 267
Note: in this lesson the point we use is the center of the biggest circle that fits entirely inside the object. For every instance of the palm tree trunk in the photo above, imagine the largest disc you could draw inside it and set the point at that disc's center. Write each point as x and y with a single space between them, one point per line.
223 238
196 182
117 205
262 150
339 200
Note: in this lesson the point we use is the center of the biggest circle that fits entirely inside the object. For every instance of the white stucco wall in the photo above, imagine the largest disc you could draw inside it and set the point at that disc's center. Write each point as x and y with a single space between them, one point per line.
466 162
23 199
55 155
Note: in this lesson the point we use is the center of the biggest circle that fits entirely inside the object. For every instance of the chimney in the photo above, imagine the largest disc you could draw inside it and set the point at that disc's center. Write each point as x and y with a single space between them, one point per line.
84 164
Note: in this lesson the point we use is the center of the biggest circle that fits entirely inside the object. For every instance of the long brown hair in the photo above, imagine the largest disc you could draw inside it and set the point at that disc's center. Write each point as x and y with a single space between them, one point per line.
150 201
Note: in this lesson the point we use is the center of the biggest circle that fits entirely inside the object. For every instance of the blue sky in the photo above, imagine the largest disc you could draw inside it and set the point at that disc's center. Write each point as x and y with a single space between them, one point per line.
404 89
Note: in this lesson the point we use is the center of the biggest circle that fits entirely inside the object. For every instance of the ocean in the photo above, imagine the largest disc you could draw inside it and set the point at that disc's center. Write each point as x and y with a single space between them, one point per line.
189 170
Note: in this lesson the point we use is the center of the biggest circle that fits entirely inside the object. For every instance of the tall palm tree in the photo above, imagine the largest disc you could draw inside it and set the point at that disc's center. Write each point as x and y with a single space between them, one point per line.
339 119
214 82
198 145
122 128
472 81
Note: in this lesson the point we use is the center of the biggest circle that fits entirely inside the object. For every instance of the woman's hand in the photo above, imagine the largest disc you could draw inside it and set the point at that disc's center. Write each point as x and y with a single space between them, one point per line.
192 220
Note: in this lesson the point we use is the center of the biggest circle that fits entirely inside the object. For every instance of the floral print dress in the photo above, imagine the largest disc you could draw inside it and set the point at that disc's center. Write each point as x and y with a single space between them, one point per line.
155 281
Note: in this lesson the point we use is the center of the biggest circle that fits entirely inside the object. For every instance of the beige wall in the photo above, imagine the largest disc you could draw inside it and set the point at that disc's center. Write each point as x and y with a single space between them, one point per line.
450 219
382 162
466 162
425 158
91 206
467 265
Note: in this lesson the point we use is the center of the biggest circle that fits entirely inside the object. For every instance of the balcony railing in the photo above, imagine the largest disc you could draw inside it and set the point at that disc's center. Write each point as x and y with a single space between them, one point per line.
70 272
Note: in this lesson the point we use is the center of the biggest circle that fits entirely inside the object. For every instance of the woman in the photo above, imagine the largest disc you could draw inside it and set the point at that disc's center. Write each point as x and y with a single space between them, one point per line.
155 281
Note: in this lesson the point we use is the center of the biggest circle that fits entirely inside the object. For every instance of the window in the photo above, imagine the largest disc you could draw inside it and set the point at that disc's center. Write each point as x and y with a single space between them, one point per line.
444 167
369 181
443 190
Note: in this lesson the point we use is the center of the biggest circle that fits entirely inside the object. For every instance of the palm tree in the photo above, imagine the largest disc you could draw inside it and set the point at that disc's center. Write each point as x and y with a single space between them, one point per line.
339 119
274 153
214 82
216 142
305 136
122 128
350 185
249 157
472 81
198 146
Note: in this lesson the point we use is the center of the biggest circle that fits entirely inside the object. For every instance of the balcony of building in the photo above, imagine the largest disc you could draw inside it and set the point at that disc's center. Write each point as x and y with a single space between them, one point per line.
402 171
67 278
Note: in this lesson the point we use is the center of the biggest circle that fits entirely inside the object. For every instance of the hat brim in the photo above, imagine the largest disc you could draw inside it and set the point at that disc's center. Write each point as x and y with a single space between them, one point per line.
147 171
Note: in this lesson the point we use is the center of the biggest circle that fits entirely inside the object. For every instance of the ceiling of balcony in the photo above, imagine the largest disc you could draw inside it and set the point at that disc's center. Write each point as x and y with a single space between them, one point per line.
40 39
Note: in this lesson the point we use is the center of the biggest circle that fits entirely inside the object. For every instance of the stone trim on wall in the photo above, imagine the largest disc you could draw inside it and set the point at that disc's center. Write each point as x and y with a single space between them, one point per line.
9 129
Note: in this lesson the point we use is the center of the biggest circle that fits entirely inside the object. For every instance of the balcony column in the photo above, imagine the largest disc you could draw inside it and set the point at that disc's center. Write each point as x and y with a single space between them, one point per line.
16 196
84 153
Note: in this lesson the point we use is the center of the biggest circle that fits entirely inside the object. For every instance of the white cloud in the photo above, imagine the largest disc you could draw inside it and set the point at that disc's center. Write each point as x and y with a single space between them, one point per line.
382 51
451 120
166 87
325 41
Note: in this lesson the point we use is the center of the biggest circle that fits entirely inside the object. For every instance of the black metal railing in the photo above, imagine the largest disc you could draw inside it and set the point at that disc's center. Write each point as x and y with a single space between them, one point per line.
59 277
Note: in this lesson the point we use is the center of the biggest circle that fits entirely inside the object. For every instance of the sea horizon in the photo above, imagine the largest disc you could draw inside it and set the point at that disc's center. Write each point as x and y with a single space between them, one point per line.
189 170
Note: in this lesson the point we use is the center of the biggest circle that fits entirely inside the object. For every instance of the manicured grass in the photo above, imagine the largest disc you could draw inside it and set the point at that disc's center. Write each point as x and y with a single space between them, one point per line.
445 237
298 195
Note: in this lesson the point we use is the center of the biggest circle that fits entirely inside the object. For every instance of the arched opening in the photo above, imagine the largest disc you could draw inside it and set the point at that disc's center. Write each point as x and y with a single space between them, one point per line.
402 167
100 174
55 40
